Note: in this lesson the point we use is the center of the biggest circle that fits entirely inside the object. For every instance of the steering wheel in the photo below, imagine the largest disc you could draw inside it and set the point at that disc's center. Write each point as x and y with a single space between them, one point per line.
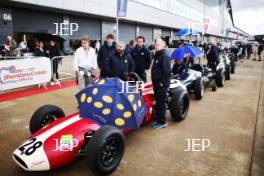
133 77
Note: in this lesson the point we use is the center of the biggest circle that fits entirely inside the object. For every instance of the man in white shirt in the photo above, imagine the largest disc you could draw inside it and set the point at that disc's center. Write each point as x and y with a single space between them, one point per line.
85 63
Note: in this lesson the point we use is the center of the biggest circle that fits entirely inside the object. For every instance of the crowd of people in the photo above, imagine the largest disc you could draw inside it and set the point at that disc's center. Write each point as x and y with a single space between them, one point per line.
118 60
10 50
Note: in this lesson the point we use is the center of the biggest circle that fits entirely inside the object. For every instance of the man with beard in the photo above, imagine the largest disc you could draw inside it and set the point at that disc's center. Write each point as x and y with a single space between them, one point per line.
120 63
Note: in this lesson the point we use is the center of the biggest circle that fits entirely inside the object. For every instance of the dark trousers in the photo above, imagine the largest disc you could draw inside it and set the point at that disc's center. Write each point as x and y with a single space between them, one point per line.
55 64
160 95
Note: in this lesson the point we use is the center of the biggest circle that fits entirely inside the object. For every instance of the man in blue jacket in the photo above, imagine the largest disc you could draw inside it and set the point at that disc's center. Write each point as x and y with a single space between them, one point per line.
141 57
120 63
160 75
108 48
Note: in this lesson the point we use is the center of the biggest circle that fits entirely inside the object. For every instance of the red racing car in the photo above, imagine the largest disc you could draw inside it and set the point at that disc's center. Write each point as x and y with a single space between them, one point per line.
57 140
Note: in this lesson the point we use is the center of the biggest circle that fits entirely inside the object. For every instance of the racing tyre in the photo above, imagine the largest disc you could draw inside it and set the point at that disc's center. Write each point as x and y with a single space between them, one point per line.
179 105
227 73
233 67
44 116
199 88
105 150
220 78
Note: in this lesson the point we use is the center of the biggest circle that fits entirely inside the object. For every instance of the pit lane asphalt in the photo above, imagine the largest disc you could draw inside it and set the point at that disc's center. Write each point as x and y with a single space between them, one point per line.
226 117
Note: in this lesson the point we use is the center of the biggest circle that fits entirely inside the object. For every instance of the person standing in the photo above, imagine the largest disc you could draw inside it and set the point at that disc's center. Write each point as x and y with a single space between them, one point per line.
160 76
120 63
40 50
107 48
249 50
212 57
12 46
260 49
85 63
142 58
53 51
130 47
255 51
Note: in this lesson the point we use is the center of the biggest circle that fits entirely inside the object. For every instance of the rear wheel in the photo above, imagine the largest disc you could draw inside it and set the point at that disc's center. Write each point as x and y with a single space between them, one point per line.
105 150
220 78
199 88
44 116
227 73
233 66
179 105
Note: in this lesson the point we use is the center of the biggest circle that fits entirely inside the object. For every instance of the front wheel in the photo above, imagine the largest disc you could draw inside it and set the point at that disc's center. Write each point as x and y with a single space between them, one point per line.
179 105
105 150
233 67
44 116
220 78
227 73
199 88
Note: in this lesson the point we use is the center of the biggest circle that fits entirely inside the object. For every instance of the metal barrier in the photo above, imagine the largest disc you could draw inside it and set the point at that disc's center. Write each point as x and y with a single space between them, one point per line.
62 68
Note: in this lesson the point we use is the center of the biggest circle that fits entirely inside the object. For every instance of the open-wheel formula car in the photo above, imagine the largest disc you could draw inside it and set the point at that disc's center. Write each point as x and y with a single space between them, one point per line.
58 140
190 80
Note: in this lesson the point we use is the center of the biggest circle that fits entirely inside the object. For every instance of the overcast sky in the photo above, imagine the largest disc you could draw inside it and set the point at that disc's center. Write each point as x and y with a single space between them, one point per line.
249 15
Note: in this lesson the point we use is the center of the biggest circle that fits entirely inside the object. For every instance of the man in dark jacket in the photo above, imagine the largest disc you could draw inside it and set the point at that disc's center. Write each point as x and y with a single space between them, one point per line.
108 48
54 51
212 57
130 47
120 63
40 50
160 75
141 56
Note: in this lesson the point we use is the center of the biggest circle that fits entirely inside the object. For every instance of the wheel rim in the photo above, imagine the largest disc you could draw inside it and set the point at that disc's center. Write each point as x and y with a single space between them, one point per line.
202 90
110 152
223 78
183 105
48 119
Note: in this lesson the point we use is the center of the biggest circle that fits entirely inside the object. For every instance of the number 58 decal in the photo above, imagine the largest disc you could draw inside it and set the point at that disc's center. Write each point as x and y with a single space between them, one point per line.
30 146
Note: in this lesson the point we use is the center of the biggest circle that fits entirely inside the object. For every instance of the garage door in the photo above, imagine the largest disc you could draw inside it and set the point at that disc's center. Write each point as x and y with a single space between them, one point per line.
108 27
165 32
35 21
6 24
147 32
127 32
87 26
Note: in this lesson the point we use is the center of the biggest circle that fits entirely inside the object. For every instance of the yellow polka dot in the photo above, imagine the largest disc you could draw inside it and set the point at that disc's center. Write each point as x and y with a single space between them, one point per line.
127 114
120 106
106 111
107 99
89 99
98 104
119 122
139 103
134 107
83 97
131 98
95 91
101 82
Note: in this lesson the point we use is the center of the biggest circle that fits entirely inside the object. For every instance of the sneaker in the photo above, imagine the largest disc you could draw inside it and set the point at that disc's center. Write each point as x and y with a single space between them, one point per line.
57 82
159 126
52 83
